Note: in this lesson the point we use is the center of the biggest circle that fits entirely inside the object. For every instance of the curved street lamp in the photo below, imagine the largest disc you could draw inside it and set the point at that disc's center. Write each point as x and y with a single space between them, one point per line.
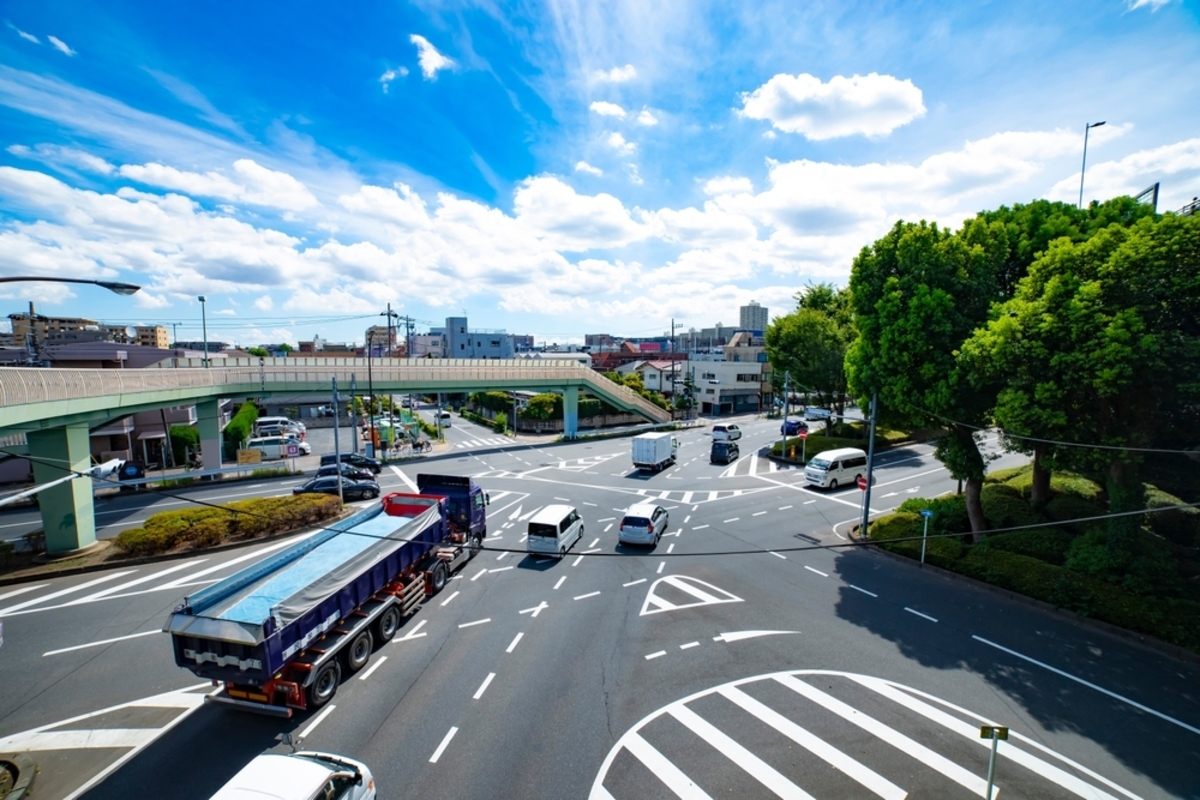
112 286
1087 129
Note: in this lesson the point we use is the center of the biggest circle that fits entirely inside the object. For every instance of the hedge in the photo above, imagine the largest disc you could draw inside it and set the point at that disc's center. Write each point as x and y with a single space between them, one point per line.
244 519
1180 525
1045 544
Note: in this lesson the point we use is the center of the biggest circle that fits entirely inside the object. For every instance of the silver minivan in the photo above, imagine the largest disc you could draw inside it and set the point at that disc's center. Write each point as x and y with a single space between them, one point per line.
553 530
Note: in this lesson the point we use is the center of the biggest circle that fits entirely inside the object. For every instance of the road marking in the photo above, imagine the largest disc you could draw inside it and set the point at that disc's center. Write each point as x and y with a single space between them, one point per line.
378 663
23 590
590 504
689 645
446 602
516 639
585 596
564 499
699 527
687 519
758 513
560 582
607 528
656 655
670 548
61 592
661 564
442 747
674 778
476 622
860 589
822 574
784 508
634 583
809 502
1090 685
606 519
413 633
479 574
407 480
593 550
539 608
737 636
483 687
735 519
578 558
502 555
919 614
703 593
99 643
317 720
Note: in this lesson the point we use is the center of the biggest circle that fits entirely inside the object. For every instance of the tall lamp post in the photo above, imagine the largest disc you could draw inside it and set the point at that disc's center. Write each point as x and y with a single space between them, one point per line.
1087 128
371 392
204 321
391 351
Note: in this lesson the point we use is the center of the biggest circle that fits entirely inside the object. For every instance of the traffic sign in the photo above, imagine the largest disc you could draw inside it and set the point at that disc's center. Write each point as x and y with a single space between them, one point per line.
803 434
993 732
862 482
926 512
293 450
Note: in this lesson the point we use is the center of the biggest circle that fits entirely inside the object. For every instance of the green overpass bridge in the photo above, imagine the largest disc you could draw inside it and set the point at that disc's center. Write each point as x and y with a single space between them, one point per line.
57 408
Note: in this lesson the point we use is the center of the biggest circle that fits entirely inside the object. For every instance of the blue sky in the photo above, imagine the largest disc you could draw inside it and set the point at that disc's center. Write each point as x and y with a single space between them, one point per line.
555 168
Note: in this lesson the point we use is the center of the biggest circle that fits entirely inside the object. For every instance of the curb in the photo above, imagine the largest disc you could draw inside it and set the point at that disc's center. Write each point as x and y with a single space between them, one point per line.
1132 637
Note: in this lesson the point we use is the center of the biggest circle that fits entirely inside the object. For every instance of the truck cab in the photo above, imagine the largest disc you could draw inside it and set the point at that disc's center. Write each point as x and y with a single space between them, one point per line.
466 502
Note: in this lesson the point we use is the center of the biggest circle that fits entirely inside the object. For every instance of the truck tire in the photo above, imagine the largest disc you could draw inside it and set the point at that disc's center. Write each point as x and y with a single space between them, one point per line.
325 684
475 542
358 652
438 577
388 624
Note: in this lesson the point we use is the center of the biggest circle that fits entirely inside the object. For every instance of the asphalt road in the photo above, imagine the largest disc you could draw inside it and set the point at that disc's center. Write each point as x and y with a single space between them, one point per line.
781 667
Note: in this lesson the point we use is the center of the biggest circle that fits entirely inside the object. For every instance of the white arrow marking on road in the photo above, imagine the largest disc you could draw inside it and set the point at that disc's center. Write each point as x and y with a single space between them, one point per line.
913 490
516 513
539 608
737 636
890 494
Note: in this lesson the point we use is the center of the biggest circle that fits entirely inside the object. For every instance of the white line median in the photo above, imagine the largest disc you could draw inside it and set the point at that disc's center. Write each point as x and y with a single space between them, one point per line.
99 643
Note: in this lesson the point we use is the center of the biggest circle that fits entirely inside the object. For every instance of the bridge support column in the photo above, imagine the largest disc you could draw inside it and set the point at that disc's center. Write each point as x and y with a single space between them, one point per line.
68 514
571 412
208 424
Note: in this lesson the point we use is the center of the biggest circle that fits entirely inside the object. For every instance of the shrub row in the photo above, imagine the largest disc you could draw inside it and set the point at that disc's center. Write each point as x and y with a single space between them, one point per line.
244 519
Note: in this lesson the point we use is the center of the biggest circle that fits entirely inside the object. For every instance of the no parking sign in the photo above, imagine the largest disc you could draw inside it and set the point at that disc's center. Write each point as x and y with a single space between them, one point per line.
293 450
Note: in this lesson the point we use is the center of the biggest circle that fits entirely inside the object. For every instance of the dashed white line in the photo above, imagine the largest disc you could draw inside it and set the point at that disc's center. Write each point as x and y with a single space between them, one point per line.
634 583
476 622
446 602
441 747
822 574
596 541
687 519
656 655
560 582
758 513
777 555
590 504
578 558
502 555
378 663
661 564
671 548
689 645
585 596
735 519
479 575
919 614
606 519
312 726
860 589
516 639
784 508
607 528
809 502
699 527
483 687
501 569
592 550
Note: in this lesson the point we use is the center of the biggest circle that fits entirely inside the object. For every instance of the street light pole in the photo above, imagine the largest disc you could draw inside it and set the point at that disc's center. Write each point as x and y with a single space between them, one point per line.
1083 168
112 286
204 321
371 392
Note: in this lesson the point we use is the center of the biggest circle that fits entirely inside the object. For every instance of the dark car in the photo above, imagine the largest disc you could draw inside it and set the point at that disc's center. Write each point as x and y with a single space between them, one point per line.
348 471
792 427
351 490
724 452
354 460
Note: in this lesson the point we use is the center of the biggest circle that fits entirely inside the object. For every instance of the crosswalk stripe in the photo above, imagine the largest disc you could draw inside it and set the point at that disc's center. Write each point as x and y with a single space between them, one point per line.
73 740
100 595
686 587
23 590
758 769
55 595
671 776
256 553
898 740
869 778
687 497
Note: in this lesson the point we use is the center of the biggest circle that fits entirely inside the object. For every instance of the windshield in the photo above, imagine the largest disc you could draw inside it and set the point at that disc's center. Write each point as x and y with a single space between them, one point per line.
635 522
819 463
542 529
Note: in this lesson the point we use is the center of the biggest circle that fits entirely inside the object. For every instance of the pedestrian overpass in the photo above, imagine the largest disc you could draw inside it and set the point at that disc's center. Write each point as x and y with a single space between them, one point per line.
57 408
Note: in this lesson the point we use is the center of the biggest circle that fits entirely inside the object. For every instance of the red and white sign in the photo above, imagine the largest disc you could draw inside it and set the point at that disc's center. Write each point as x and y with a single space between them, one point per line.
293 450
803 434
862 482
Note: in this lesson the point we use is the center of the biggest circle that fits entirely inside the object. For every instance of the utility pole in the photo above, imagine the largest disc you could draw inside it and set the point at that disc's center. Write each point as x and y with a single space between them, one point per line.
674 398
866 512
337 445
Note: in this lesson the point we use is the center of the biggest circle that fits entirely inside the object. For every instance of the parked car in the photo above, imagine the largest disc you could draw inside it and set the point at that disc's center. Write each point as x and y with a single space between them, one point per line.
351 490
354 459
348 471
813 412
305 447
792 426
725 431
301 776
724 452
643 523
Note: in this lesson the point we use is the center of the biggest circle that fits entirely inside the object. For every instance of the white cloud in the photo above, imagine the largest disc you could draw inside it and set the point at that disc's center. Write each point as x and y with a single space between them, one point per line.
1153 5
617 142
606 109
872 105
264 303
429 58
60 45
615 75
768 134
59 156
258 185
29 37
566 220
727 184
399 205
390 75
145 299
635 177
226 312
644 117
583 166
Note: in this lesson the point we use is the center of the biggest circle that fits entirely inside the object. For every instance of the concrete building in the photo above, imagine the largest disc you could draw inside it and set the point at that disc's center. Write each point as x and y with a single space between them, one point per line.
753 317
429 345
39 330
727 387
657 374
384 342
463 342
598 340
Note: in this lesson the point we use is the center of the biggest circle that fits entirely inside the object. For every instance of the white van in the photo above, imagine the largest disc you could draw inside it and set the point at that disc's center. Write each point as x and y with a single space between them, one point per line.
300 776
280 422
834 468
271 447
553 530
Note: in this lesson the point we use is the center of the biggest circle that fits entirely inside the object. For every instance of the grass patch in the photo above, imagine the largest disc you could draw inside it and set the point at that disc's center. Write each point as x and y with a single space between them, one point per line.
270 472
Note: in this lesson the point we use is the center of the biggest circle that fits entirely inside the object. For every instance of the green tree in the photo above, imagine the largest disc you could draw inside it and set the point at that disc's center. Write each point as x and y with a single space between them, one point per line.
285 348
261 352
810 343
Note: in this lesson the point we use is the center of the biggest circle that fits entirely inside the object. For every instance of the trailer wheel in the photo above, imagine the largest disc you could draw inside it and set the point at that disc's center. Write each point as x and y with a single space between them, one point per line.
475 543
387 624
325 685
358 653
437 577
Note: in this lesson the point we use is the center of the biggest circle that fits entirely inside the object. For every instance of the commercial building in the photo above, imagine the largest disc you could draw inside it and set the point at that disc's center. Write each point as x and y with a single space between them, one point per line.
37 330
463 342
753 317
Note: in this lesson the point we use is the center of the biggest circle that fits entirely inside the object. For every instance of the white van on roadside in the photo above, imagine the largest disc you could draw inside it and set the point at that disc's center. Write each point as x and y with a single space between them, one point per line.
268 423
553 531
271 447
833 468
300 776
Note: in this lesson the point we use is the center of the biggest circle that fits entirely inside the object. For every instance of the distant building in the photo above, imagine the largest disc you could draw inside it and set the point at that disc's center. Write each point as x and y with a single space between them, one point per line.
753 317
38 330
598 340
429 345
198 345
383 341
522 342
462 342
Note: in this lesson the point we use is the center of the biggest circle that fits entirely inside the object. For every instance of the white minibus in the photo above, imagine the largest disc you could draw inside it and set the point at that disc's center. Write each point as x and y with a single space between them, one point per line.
553 530
271 447
834 468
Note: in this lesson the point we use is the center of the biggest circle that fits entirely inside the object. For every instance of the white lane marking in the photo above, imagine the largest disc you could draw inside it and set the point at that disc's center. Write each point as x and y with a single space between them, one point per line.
99 643
589 504
502 555
860 589
777 555
656 655
670 548
661 564
560 582
758 513
136 582
446 602
413 633
407 481
563 499
634 583
479 574
61 592
672 776
578 558
501 569
378 663
737 636
1090 685
726 746
476 622
784 508
735 519
441 748
585 596
689 645
822 574
808 502
699 527
919 614
866 776
539 608
606 519
593 550
317 720
516 639
23 590
483 687
687 519
607 528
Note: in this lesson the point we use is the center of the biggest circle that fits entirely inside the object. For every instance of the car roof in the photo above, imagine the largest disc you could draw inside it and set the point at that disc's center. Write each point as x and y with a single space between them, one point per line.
552 513
275 777
641 509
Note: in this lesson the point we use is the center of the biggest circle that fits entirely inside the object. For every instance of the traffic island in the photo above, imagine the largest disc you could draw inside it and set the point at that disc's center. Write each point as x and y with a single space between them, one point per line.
17 773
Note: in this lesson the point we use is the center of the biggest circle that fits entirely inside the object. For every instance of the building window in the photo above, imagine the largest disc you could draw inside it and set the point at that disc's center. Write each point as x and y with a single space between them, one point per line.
462 346
708 376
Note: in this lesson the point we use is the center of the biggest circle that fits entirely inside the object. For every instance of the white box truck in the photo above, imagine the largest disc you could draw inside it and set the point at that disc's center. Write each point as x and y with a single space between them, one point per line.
654 451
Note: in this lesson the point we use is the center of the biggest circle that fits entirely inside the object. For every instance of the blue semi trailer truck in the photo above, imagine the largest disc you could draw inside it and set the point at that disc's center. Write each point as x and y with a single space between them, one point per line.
279 636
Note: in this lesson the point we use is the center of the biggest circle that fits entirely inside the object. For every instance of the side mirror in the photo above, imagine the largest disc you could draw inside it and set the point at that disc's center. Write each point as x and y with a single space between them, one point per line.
286 738
487 499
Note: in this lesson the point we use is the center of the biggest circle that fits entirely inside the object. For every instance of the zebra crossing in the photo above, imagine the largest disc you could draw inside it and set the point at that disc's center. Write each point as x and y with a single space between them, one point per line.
825 734
491 441
752 465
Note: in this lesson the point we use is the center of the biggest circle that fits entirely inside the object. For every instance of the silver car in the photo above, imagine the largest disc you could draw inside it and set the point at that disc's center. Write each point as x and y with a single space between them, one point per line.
643 523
